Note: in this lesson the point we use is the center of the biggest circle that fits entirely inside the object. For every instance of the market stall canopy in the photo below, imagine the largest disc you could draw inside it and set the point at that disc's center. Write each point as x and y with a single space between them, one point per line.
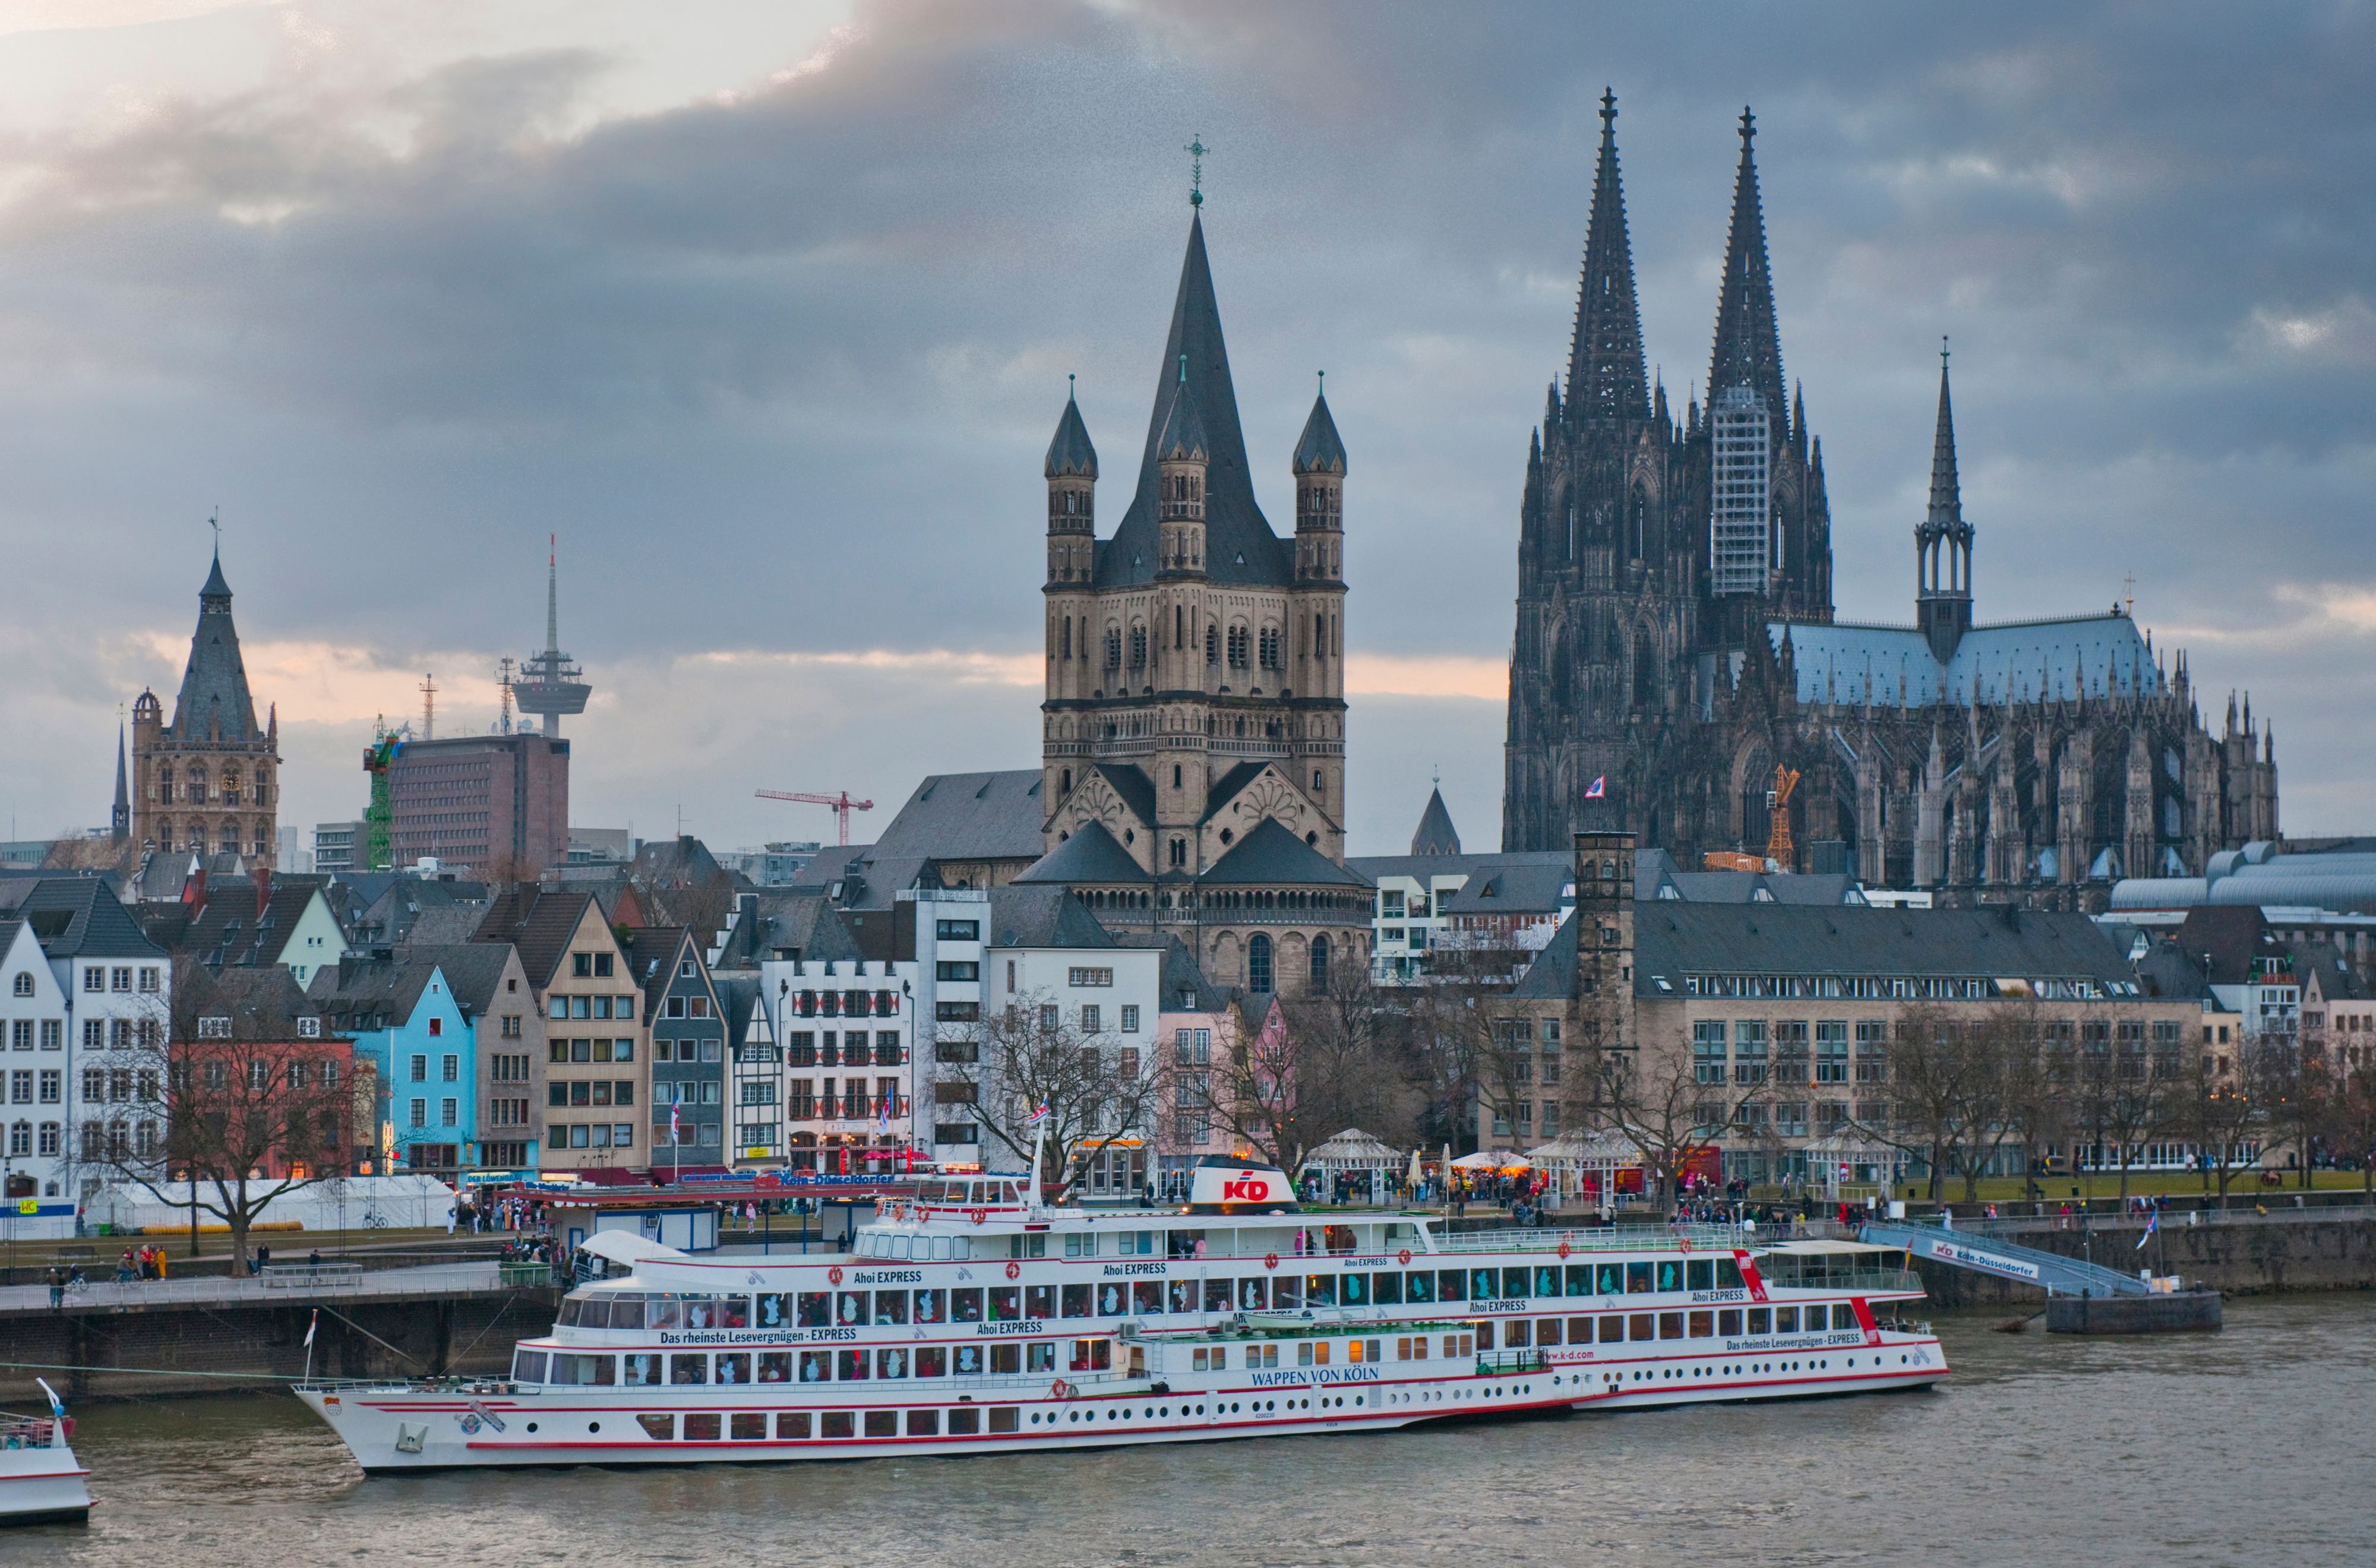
1498 1159
1355 1149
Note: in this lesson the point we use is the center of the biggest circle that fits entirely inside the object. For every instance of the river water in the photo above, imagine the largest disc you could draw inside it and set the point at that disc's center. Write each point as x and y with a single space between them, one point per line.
2257 1445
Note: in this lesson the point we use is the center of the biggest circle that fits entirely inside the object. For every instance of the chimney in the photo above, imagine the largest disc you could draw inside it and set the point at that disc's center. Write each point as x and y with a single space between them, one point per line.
262 890
194 887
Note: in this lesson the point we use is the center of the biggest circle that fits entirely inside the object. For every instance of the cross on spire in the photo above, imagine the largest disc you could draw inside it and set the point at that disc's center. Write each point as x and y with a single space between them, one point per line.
1196 149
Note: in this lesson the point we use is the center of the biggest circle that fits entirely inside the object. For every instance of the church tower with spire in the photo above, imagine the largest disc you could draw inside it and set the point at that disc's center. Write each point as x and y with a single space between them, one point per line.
209 782
1193 731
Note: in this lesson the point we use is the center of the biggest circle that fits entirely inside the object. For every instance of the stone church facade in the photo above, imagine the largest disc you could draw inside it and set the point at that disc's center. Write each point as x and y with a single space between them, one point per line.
1676 644
1192 740
209 782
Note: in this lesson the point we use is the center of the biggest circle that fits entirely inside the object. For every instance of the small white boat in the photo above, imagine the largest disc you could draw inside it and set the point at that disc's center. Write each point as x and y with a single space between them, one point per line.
40 1481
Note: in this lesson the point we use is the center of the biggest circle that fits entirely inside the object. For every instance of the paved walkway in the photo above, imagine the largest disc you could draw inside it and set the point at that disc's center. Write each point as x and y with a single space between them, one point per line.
297 1285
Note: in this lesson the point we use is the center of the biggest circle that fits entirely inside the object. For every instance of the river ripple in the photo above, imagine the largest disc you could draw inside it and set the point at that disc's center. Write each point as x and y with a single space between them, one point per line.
2256 1446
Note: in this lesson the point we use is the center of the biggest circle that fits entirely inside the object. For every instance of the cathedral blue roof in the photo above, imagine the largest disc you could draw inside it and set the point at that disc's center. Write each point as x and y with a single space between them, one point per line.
2020 662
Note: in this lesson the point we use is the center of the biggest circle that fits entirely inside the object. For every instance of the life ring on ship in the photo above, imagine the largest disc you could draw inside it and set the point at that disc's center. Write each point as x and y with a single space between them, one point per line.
1686 1244
1563 1250
978 1215
1270 1260
1059 1389
1403 1257
832 1276
1015 1271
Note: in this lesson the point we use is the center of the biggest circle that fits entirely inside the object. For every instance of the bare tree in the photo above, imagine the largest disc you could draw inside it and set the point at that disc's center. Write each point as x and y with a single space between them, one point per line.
1650 1093
2125 1095
1344 1067
1095 1090
2218 1110
2296 1088
1930 1063
254 1105
1998 1085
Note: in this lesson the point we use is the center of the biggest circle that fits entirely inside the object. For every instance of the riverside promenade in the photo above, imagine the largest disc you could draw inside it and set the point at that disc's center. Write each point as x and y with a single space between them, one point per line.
213 1332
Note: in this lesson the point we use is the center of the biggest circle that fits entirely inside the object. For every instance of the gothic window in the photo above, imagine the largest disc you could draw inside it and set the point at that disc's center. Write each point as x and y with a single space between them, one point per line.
1179 855
1179 626
1320 637
1241 652
1113 647
1645 671
1641 523
1138 646
1258 972
1319 964
164 835
198 783
1271 653
1067 638
1212 644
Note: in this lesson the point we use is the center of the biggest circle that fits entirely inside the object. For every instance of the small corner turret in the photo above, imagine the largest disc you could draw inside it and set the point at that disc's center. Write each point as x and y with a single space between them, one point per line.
1183 454
1319 470
1072 474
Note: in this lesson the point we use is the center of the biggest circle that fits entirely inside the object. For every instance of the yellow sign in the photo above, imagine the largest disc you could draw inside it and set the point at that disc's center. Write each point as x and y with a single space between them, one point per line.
757 1153
29 1205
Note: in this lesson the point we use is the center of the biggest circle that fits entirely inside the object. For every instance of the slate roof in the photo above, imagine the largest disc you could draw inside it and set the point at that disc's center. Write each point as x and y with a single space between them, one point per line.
737 997
1273 855
1672 939
540 924
652 953
2166 971
1552 977
230 930
1240 548
2019 662
361 987
1043 917
1528 888
1070 452
390 917
263 1002
1183 988
1089 855
75 917
1424 867
2229 936
214 701
1319 450
1435 835
959 816
1744 887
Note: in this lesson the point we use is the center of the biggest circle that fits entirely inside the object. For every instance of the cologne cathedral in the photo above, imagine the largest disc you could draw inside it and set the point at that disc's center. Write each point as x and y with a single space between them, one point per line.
1677 668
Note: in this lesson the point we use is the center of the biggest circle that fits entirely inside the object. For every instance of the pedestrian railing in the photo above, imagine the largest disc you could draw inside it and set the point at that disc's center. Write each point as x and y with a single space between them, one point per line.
1613 1239
437 1279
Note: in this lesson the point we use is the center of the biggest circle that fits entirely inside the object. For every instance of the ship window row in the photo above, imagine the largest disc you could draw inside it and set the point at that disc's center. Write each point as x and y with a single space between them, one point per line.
797 1426
860 1363
842 1363
1146 1298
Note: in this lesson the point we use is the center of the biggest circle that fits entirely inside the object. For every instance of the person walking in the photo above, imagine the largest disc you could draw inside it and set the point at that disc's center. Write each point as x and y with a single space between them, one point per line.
57 1280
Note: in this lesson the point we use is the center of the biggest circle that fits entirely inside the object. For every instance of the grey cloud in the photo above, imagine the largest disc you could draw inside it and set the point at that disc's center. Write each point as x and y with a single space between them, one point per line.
779 368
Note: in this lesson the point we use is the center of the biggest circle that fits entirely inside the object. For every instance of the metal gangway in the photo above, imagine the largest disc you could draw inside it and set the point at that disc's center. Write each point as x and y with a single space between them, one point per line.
2051 1272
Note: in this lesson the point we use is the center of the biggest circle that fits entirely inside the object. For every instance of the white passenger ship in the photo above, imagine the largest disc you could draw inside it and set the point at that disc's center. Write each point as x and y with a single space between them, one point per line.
972 1321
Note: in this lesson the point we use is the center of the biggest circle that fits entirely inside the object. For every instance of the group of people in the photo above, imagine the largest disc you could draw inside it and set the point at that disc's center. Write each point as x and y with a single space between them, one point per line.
147 1262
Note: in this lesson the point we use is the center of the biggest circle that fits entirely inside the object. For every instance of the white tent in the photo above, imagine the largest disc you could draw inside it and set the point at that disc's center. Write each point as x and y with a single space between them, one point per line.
350 1202
1597 1156
1355 1151
1865 1161
1492 1160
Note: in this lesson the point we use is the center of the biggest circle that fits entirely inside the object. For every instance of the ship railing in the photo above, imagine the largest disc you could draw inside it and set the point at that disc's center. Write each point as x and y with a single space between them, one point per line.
1492 1363
28 1432
1858 1281
1612 1239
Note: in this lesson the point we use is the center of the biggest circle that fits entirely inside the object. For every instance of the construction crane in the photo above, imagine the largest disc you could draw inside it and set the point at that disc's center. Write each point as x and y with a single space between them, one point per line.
841 804
1778 848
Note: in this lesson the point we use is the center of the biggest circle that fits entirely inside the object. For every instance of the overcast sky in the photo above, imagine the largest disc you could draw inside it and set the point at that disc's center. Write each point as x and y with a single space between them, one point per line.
766 311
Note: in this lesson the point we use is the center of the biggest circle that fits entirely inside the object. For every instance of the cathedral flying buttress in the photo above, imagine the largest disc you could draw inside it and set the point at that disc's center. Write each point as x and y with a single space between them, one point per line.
1675 645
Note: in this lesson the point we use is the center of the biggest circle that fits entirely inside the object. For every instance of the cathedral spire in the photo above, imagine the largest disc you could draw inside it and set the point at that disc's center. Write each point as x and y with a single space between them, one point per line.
1942 543
1604 379
119 822
1748 344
